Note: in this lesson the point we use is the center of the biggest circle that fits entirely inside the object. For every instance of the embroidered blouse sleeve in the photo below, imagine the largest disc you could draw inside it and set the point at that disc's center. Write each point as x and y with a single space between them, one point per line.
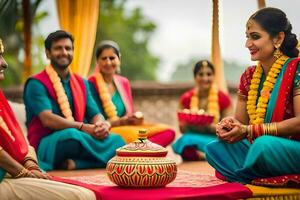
296 86
245 82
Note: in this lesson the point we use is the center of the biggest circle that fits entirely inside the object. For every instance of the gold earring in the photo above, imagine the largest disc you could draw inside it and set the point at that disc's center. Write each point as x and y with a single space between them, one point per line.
1 47
277 53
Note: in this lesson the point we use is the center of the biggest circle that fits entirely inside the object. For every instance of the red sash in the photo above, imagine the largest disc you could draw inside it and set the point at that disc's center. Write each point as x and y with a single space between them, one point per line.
36 131
17 147
285 95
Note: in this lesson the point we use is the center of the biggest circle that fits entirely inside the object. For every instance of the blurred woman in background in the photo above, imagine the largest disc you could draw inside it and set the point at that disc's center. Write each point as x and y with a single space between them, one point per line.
112 93
203 98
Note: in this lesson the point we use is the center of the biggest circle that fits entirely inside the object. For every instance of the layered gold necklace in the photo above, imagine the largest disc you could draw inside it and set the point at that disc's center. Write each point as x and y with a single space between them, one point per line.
212 105
257 112
107 104
62 98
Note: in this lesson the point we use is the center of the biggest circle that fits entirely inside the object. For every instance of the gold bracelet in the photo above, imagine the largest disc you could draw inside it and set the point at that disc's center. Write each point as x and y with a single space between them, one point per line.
270 129
21 173
33 167
244 129
29 158
274 130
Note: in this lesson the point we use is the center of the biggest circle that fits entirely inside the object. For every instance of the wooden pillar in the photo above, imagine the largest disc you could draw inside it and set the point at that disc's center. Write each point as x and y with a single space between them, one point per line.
261 4
27 39
216 57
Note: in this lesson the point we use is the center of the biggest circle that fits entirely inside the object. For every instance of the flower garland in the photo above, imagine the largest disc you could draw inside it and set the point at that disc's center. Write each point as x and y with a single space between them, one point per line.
213 103
108 106
4 126
62 98
257 111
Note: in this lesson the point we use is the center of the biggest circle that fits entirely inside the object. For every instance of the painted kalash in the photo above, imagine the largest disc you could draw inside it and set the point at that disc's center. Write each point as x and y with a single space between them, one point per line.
141 164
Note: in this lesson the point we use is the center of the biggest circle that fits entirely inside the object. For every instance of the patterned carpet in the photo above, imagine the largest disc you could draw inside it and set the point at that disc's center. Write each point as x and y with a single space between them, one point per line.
187 185
183 179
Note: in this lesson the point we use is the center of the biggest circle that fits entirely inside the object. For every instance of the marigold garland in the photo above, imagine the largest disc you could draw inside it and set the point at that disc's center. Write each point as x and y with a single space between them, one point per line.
257 111
62 98
213 102
108 106
4 126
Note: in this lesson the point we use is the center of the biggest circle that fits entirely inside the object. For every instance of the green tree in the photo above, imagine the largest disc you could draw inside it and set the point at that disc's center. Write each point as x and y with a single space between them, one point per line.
132 32
11 32
184 71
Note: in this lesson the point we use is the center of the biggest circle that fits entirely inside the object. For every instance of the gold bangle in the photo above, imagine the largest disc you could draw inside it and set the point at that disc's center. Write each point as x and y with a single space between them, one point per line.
21 173
29 158
270 129
244 129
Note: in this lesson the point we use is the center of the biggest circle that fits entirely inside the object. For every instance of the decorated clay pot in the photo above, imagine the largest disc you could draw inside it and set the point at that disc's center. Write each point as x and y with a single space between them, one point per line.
141 164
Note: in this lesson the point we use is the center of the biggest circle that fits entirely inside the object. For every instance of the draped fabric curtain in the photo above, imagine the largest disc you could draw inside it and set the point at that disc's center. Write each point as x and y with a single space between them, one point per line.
80 17
261 3
216 57
27 40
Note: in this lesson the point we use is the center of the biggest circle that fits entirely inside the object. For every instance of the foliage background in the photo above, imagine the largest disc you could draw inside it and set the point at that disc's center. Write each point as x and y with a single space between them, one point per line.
131 30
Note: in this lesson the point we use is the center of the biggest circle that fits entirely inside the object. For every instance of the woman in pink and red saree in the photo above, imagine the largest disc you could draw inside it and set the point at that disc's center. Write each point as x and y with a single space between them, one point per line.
112 93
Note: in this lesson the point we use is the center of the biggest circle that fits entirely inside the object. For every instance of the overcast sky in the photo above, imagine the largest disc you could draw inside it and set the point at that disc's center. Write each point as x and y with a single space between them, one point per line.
184 27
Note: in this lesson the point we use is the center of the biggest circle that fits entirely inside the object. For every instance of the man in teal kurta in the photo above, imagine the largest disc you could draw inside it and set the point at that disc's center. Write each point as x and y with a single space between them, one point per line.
63 120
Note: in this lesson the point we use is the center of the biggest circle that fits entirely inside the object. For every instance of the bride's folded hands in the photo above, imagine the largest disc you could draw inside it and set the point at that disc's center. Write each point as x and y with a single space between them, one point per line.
230 130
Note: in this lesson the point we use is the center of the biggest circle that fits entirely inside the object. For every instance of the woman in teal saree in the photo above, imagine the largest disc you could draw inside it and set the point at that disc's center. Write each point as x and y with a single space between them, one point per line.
262 140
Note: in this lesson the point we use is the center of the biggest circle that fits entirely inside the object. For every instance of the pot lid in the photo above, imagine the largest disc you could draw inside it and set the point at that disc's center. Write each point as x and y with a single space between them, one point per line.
142 147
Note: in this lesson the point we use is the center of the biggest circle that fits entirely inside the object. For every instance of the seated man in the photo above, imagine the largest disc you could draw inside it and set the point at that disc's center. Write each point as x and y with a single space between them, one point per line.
26 180
64 124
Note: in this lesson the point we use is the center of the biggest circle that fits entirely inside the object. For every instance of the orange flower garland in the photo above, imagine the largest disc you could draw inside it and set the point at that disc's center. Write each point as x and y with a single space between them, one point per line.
213 103
108 106
62 98
4 126
257 112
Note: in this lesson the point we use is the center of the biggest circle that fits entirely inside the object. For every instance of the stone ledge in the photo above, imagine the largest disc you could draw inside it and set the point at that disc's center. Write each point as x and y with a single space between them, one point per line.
139 88
156 88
